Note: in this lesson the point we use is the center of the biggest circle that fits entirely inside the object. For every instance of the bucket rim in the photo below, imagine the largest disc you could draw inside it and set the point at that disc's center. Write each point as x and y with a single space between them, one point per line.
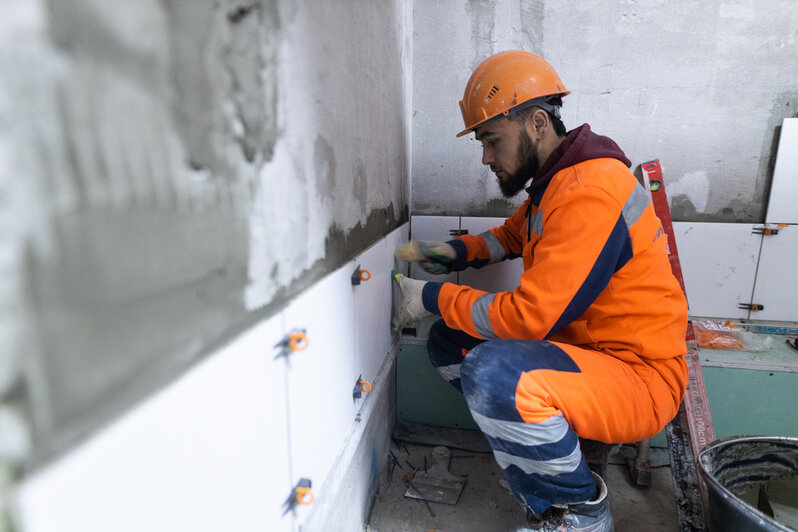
725 442
724 492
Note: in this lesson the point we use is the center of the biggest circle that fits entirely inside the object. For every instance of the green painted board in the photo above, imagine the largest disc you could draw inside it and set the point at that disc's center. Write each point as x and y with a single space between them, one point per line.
423 396
752 402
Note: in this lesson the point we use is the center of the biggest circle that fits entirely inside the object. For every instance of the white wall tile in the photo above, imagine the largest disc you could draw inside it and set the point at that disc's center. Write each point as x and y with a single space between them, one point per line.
395 239
321 378
373 311
209 452
784 188
719 264
222 447
375 304
499 277
432 228
776 284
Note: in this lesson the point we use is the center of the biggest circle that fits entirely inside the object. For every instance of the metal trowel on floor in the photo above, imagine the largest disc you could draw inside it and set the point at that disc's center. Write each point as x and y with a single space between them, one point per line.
436 484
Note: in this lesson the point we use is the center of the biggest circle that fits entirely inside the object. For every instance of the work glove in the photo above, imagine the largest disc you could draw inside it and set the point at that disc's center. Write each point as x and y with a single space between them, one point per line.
412 308
434 257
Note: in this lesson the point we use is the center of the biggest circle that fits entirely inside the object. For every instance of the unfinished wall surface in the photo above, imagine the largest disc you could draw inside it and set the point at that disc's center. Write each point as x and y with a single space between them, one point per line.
172 171
702 87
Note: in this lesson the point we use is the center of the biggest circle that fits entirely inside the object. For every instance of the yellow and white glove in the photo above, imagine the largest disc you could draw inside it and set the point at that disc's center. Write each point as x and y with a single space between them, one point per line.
412 308
433 256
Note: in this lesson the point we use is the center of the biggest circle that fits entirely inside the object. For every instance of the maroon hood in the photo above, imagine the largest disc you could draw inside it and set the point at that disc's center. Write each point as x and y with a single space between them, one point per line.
579 145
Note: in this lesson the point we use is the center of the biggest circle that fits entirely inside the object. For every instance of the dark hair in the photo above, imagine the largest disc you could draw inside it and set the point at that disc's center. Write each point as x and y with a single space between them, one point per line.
557 125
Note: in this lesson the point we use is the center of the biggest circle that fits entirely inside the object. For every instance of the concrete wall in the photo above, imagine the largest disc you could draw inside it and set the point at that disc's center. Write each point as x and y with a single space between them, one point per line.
173 171
701 86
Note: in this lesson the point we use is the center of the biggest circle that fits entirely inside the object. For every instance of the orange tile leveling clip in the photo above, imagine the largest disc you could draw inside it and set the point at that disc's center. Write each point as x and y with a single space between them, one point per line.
300 495
304 496
361 387
360 275
296 340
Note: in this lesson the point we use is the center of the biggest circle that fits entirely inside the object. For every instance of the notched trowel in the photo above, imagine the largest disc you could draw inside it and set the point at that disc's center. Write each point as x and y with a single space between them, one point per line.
437 484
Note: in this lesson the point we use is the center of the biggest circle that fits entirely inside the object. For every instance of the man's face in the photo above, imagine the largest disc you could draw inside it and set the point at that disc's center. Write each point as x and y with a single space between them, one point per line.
510 153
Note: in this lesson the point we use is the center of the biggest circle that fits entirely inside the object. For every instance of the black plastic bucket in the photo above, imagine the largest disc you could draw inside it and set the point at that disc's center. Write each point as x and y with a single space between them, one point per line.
733 466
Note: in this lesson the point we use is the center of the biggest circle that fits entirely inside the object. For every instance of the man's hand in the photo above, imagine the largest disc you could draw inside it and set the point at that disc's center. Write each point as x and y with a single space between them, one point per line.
412 308
434 257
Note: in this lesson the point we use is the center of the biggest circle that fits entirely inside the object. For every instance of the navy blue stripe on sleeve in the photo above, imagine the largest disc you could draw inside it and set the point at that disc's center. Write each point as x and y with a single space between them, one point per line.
429 296
616 253
461 262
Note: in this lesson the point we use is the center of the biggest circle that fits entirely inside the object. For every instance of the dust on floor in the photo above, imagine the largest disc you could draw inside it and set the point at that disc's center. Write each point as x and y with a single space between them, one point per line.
486 506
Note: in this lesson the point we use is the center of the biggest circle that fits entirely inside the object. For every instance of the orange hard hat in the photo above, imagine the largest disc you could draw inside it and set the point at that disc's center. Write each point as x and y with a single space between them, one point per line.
506 80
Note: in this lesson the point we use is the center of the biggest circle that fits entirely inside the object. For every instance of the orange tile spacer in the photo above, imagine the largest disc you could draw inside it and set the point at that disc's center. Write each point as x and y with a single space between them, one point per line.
298 341
360 275
304 496
360 388
299 495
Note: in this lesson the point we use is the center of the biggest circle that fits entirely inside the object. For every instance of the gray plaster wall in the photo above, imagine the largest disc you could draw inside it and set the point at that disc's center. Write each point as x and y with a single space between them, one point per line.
172 171
702 86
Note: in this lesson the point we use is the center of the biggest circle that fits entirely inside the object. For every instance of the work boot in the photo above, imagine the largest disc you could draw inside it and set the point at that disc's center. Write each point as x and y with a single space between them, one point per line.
591 516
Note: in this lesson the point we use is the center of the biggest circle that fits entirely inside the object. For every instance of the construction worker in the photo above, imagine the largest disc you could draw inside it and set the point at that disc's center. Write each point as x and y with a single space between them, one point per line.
591 343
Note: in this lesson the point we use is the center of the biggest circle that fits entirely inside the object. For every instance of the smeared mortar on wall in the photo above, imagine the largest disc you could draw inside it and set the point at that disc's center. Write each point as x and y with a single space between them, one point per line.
152 125
690 192
251 66
225 56
324 165
691 195
360 184
141 263
339 172
481 14
532 15
494 207
339 246
784 106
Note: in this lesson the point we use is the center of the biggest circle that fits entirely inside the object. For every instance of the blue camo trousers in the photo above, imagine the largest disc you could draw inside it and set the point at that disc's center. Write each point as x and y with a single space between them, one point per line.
543 462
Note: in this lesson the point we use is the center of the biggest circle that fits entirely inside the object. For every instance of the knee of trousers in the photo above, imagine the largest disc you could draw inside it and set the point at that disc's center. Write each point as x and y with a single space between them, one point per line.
489 382
491 372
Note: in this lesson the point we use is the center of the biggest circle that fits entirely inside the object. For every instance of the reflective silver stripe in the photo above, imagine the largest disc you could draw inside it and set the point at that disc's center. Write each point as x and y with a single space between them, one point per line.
551 430
537 223
495 247
638 200
555 466
450 372
479 315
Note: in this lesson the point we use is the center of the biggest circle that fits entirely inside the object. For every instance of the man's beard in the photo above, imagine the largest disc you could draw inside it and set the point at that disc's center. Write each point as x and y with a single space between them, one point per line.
529 167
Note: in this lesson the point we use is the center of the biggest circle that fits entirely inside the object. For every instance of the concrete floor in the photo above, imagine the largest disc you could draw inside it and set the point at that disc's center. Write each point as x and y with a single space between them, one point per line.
485 506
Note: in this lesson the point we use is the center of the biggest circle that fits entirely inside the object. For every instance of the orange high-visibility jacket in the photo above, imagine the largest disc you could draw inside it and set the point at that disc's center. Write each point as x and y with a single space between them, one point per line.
596 269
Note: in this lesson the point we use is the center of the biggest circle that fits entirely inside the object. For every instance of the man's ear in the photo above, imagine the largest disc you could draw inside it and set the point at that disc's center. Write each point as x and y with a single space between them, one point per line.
537 124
